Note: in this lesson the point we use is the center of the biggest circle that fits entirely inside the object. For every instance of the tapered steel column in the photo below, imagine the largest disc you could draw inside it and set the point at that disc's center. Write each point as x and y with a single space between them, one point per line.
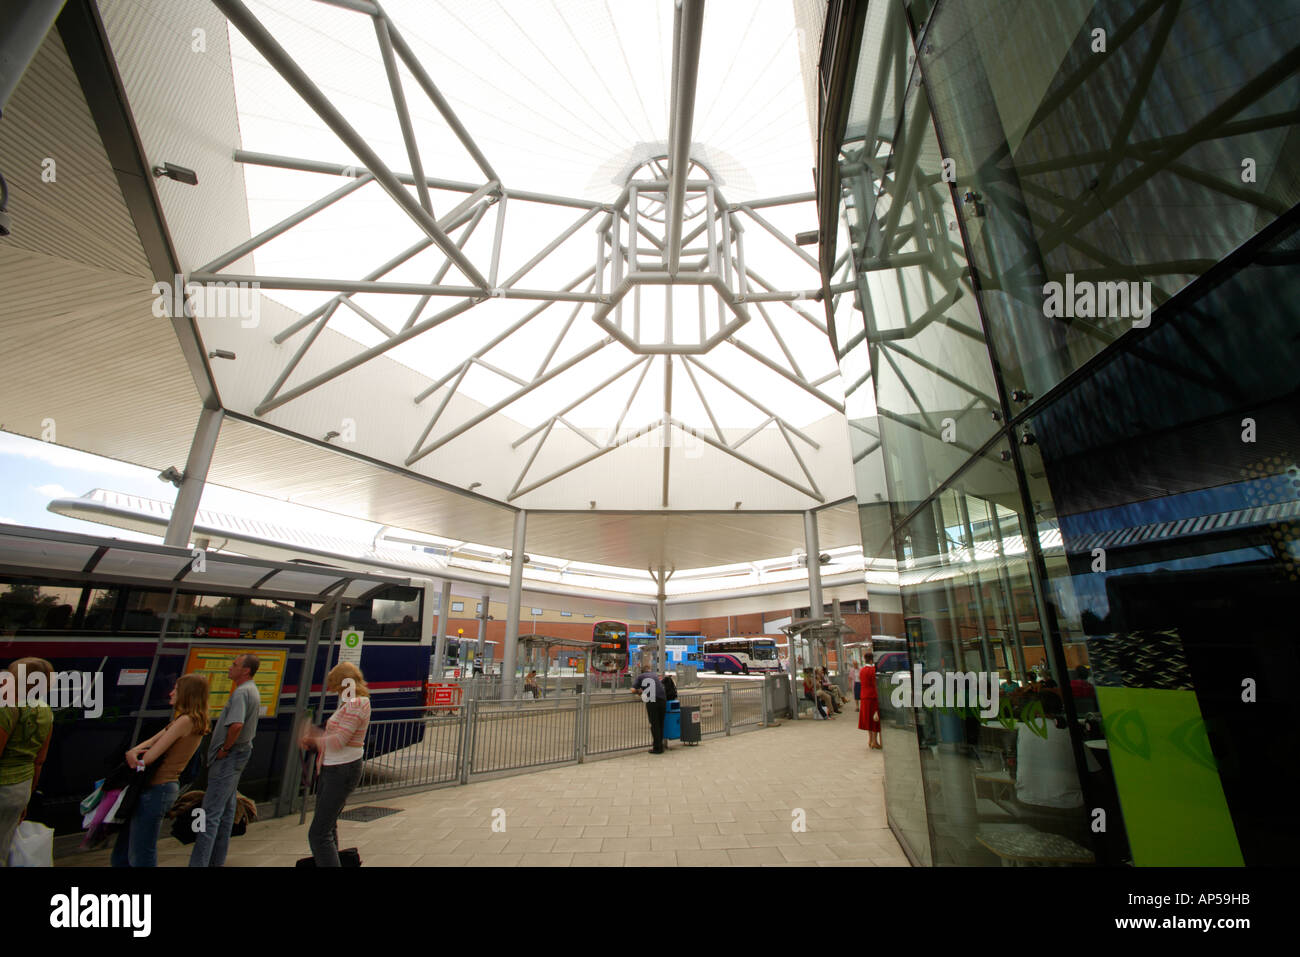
814 564
686 67
510 654
440 642
196 476
25 28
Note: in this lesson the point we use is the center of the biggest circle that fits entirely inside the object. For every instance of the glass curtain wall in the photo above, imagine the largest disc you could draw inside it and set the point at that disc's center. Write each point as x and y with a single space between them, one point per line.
1070 361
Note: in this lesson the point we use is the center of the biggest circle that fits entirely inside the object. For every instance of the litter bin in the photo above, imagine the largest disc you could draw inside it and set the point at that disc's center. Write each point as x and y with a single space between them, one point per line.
690 723
672 720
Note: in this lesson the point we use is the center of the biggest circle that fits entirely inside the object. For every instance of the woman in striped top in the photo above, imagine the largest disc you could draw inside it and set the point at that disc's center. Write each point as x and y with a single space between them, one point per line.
339 748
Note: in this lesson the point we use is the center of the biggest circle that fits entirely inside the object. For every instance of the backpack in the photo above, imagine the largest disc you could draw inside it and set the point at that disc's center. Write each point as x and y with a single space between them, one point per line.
670 688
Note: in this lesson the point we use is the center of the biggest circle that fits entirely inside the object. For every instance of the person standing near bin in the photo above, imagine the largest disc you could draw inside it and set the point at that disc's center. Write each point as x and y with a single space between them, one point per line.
651 690
228 754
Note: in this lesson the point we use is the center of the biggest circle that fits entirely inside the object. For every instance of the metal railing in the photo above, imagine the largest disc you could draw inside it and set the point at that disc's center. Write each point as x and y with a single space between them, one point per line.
746 706
511 735
616 723
451 745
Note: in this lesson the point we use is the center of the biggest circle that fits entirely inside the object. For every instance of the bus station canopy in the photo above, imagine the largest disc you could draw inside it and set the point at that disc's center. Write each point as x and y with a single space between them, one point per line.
75 557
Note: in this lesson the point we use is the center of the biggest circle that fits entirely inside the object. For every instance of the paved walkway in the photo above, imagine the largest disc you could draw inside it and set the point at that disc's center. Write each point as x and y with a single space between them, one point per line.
729 801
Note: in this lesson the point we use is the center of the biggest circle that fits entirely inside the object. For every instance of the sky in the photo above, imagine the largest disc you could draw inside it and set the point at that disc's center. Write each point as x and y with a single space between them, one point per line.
34 473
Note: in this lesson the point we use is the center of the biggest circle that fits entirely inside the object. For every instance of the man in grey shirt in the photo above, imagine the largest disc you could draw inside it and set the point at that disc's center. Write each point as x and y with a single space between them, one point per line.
231 747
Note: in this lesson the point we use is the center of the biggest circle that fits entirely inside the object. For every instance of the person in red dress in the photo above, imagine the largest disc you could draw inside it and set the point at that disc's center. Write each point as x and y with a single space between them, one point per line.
869 709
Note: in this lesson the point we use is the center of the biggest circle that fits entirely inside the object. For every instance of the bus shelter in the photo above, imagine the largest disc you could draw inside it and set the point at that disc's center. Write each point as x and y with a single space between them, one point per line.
538 650
810 640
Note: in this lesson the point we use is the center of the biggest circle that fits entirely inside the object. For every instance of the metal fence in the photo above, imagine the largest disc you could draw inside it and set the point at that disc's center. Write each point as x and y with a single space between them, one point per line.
450 745
746 706
510 735
615 723
412 752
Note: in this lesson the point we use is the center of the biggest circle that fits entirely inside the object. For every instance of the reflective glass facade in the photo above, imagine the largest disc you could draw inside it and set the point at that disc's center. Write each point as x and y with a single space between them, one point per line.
1071 360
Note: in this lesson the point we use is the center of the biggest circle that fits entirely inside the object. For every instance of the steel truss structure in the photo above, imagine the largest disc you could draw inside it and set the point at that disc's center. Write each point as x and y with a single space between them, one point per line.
670 227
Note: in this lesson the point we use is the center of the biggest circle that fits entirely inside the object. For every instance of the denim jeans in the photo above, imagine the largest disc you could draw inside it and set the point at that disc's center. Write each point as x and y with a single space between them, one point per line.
337 781
137 841
219 809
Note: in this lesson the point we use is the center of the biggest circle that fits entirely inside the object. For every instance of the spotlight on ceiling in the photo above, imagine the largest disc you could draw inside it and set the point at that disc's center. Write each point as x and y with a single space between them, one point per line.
808 238
331 435
178 173
593 503
172 474
824 559
737 505
474 485
221 354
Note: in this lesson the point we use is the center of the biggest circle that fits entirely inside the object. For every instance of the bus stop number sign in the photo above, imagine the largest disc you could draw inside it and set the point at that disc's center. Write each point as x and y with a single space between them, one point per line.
350 647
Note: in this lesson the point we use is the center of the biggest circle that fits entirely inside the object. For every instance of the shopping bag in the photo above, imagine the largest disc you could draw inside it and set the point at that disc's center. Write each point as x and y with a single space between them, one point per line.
32 846
90 802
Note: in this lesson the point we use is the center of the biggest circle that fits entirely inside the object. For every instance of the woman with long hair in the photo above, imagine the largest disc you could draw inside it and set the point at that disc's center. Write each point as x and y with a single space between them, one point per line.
25 733
166 753
869 708
340 748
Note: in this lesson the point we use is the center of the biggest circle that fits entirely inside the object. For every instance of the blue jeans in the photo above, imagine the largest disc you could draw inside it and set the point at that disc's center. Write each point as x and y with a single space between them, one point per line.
219 809
337 781
137 841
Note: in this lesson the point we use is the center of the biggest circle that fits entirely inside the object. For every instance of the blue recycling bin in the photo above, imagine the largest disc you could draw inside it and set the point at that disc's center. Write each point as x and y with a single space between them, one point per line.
673 720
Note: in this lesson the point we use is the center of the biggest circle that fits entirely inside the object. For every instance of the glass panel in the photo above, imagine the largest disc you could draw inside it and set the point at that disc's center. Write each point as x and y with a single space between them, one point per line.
997 757
1120 173
34 607
925 359
1175 576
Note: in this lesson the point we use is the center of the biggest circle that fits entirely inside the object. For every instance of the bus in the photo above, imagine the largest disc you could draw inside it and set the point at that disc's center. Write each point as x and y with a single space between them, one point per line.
756 655
610 656
133 617
679 646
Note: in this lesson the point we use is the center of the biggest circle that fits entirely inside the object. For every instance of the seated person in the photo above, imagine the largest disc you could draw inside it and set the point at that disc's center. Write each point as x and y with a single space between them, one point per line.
811 694
831 690
820 699
530 685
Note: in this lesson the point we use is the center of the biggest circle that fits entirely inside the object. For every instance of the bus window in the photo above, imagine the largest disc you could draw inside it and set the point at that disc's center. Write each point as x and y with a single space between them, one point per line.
36 607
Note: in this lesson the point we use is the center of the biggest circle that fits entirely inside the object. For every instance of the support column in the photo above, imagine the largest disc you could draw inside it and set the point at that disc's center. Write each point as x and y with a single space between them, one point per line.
963 509
841 672
483 617
196 476
440 642
814 564
28 23
661 616
509 655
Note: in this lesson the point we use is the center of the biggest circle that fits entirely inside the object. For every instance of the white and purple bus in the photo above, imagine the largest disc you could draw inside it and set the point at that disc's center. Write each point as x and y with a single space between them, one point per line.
740 656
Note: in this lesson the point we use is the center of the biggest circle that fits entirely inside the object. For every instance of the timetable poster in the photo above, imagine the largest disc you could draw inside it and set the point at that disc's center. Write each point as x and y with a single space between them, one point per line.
215 664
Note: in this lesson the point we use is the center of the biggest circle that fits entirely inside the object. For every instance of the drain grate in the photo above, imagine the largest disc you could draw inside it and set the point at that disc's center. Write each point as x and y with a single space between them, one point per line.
368 813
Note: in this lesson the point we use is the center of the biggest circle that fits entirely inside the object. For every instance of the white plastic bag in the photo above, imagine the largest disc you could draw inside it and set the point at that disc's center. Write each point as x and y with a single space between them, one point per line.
32 846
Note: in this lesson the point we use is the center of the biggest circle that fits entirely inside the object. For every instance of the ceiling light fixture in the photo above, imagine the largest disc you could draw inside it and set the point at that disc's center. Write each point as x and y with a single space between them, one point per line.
172 474
221 354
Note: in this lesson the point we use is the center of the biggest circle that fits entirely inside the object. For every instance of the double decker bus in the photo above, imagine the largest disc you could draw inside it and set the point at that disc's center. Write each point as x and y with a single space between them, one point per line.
740 656
610 656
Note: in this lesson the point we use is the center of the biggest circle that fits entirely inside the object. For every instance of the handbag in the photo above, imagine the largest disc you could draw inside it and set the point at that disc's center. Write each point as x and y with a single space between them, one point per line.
32 846
348 857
